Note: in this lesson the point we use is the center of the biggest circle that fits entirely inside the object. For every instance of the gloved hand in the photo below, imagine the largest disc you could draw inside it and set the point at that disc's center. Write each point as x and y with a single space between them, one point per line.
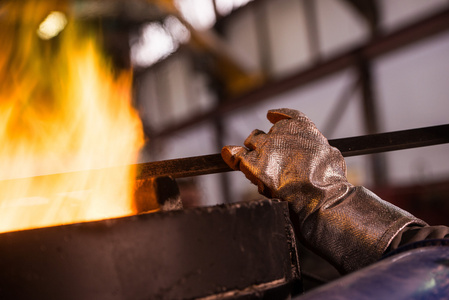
350 226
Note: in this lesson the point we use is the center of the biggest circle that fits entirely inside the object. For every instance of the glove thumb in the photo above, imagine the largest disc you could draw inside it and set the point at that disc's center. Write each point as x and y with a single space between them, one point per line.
232 156
276 115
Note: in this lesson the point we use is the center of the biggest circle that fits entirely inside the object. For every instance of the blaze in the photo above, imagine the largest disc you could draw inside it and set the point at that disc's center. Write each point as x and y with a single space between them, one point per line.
63 108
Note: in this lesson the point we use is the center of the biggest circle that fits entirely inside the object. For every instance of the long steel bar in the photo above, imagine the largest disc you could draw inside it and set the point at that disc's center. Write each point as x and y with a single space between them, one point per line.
352 146
213 163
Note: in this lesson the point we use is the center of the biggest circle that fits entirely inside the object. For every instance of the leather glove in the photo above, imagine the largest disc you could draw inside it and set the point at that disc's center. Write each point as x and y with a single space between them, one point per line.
349 226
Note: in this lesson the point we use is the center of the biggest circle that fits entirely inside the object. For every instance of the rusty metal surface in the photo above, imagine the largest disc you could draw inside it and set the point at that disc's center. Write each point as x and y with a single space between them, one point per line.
184 167
232 251
368 144
157 193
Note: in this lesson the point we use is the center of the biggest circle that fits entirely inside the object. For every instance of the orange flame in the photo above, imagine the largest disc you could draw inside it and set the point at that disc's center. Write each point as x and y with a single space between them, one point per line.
62 109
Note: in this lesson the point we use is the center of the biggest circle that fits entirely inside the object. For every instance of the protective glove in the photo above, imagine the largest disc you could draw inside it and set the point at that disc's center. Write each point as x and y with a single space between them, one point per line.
349 226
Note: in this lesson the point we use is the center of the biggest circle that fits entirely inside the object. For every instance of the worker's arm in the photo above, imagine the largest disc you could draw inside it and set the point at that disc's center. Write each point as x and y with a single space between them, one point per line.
348 225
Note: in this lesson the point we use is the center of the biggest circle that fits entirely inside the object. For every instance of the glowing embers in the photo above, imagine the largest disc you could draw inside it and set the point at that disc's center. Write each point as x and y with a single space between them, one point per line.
63 108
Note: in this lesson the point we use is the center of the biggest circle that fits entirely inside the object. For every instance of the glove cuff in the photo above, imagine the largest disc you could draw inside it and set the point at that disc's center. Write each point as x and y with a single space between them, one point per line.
353 230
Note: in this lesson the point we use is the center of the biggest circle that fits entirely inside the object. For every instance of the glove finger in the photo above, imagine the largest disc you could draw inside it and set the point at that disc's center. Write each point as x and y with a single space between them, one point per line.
232 155
239 158
276 115
255 139
250 166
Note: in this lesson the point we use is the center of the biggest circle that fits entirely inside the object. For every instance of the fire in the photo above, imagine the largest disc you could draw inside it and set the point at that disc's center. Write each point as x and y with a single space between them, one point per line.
62 108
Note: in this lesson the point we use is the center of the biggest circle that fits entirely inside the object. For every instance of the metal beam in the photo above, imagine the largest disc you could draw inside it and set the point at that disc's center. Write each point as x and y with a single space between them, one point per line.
311 18
370 116
369 11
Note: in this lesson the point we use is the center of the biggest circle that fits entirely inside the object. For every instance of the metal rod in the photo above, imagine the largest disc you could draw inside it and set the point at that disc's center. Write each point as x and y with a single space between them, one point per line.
213 163
352 146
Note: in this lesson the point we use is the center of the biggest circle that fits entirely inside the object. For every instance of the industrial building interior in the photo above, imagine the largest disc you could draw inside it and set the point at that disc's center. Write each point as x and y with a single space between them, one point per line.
354 67
205 73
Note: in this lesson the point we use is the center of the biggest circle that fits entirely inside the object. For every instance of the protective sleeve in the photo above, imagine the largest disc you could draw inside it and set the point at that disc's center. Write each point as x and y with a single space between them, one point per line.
416 233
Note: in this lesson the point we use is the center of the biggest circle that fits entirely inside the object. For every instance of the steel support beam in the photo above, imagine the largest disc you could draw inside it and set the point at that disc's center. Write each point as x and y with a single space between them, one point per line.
371 119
